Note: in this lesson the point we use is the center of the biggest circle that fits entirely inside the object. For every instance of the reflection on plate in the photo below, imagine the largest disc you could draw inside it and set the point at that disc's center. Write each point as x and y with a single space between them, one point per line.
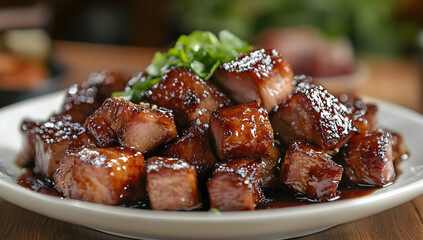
272 223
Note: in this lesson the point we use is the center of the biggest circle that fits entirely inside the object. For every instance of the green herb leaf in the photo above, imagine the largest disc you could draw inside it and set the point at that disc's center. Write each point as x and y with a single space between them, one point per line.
201 51
215 211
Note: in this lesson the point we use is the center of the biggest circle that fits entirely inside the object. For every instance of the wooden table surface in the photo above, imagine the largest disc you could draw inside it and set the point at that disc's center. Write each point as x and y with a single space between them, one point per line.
394 80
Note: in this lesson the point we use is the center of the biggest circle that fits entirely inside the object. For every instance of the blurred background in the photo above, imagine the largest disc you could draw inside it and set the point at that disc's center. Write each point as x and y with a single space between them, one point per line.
361 45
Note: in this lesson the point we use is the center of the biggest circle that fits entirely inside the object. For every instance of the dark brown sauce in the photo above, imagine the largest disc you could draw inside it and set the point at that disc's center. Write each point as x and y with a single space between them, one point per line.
281 198
37 183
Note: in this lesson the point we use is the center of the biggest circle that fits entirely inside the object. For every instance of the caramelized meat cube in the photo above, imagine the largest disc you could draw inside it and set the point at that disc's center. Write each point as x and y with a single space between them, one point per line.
194 148
102 175
314 115
268 167
107 82
365 119
308 170
187 95
82 100
260 75
171 184
133 125
368 159
363 115
235 186
52 138
27 153
399 147
242 131
105 122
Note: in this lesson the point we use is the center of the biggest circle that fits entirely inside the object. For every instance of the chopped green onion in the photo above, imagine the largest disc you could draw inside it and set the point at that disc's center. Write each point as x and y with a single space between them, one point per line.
215 211
201 51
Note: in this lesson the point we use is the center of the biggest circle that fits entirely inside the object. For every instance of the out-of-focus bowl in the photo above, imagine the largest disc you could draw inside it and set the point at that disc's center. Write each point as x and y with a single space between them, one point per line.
56 71
347 82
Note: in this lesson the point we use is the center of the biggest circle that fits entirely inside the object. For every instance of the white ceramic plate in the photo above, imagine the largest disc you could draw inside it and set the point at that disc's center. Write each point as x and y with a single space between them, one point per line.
273 223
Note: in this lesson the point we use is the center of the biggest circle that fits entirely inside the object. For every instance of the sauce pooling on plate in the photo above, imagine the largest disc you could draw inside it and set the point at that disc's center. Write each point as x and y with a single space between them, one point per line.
37 183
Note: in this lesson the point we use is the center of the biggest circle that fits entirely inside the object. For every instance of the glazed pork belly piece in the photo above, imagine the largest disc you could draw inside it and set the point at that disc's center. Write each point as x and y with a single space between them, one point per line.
235 186
268 168
306 169
52 138
101 175
171 184
363 115
366 118
314 115
140 126
187 95
194 147
27 153
260 75
368 159
242 131
82 100
399 147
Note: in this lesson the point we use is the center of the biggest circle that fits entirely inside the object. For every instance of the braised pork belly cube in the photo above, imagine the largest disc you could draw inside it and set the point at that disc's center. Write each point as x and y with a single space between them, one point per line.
399 147
306 169
99 124
194 148
365 120
171 184
260 75
368 159
101 175
242 131
29 129
269 169
314 115
363 115
187 95
27 153
107 82
140 126
82 100
52 138
235 186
